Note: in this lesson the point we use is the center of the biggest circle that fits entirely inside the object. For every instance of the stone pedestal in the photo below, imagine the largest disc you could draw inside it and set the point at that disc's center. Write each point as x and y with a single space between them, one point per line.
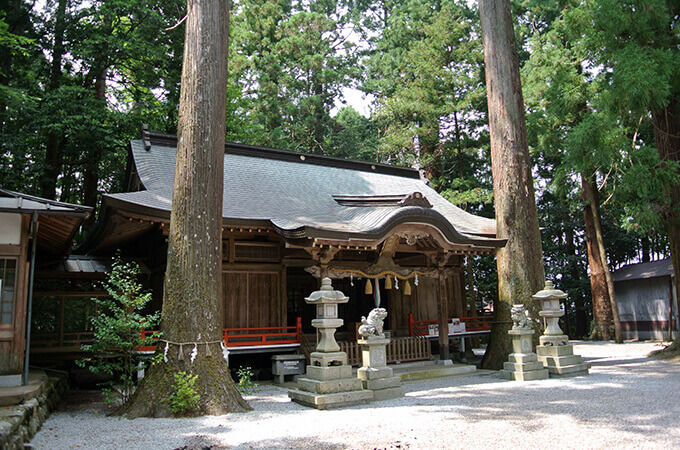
523 364
374 374
555 351
329 382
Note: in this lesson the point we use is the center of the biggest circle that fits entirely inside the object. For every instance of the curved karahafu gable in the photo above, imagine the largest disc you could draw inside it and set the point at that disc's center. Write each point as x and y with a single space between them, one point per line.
305 197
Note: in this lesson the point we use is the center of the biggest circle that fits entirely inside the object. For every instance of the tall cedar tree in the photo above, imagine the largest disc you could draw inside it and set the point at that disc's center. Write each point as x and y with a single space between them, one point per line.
520 264
192 291
560 95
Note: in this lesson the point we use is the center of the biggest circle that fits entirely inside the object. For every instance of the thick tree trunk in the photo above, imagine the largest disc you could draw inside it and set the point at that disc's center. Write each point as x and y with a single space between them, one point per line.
666 124
53 157
603 323
594 207
430 147
581 317
520 263
192 291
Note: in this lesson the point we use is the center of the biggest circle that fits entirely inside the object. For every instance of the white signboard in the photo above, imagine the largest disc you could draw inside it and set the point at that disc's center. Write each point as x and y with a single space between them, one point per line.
10 228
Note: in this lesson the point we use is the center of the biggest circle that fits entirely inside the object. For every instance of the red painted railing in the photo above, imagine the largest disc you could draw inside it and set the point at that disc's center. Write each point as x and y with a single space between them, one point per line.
476 323
258 336
241 337
147 348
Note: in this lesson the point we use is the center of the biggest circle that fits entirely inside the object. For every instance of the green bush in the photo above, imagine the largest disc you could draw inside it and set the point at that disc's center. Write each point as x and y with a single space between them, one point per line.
184 398
118 331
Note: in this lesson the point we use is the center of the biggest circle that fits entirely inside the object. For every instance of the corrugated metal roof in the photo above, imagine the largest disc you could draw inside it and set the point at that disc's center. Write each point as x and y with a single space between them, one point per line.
295 192
651 269
16 202
89 264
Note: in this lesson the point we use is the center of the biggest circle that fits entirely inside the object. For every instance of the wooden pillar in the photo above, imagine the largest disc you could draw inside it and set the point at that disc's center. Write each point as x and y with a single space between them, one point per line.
443 315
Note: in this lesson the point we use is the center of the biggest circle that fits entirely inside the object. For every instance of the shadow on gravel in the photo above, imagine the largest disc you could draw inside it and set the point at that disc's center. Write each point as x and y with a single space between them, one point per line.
598 361
632 395
203 442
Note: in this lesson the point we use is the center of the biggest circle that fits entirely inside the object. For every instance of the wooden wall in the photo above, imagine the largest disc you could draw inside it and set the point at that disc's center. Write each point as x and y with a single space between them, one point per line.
423 301
12 335
253 297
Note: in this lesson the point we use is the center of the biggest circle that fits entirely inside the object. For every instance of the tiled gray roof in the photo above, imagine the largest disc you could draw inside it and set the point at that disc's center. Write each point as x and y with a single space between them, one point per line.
296 194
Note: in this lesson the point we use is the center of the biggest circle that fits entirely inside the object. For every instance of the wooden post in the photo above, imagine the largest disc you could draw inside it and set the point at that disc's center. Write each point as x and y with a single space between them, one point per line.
298 328
443 314
410 324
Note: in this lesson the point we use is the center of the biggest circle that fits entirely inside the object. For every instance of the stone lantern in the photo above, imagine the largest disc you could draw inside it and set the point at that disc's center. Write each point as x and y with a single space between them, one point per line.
329 382
555 351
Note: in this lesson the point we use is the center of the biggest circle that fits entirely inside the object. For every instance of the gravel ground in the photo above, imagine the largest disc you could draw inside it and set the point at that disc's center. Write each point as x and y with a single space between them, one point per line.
627 401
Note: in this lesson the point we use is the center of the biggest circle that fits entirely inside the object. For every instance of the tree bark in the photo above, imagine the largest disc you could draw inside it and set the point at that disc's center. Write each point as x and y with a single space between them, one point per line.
520 262
603 320
53 156
192 291
580 317
609 280
666 123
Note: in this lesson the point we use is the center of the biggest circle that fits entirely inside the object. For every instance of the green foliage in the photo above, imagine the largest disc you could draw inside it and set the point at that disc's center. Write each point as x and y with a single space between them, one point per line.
290 62
246 385
184 399
118 330
79 82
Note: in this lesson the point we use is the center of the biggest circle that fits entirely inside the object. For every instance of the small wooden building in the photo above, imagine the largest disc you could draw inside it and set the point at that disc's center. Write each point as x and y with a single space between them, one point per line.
646 298
291 218
31 229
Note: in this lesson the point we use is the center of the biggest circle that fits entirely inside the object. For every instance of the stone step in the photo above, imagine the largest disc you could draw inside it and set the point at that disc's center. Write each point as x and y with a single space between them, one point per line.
526 367
382 383
329 373
435 371
329 387
542 374
561 361
570 371
555 350
388 393
327 401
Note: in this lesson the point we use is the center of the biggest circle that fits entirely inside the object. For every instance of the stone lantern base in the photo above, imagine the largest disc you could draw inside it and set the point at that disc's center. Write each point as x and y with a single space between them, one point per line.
559 358
523 364
375 375
329 384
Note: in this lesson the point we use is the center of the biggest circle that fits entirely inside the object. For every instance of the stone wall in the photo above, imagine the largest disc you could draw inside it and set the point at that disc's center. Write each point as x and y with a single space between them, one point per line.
19 423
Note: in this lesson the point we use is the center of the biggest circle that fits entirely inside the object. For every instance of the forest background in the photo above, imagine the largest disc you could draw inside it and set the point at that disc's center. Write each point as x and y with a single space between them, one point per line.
600 80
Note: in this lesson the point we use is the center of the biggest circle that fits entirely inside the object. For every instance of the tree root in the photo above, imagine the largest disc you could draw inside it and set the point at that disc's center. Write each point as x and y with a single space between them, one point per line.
217 390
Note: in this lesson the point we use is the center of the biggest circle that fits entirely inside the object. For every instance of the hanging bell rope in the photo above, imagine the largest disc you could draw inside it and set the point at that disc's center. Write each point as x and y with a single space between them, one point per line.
387 273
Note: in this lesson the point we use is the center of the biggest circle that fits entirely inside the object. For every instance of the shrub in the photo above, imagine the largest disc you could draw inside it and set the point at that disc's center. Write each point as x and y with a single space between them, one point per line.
118 330
246 385
184 398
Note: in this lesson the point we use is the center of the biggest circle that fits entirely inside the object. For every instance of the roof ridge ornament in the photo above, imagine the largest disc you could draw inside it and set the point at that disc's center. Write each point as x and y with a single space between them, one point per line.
413 199
146 137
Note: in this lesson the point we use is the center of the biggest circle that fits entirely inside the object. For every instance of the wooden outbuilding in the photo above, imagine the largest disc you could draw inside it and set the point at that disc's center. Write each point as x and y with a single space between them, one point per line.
646 297
378 231
31 229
